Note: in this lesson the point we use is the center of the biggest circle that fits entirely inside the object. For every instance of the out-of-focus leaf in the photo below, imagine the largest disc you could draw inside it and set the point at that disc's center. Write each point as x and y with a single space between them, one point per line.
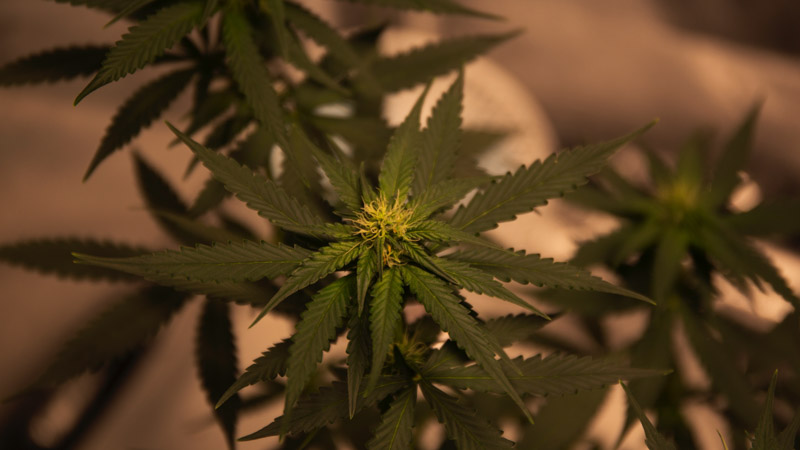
53 65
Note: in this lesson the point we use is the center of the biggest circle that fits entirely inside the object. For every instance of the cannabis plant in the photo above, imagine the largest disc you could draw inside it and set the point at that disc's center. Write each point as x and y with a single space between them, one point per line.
364 229
677 236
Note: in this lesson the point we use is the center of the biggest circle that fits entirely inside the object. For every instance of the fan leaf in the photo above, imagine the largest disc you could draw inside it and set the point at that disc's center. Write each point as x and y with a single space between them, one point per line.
397 170
216 362
422 64
530 187
144 106
314 332
145 42
440 140
258 192
53 65
653 439
533 269
234 261
54 256
272 363
395 431
447 311
462 425
384 319
324 262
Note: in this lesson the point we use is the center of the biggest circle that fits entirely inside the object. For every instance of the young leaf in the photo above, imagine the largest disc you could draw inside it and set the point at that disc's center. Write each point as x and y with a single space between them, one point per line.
116 331
54 256
216 362
272 363
462 425
422 64
440 140
441 232
653 439
145 105
444 195
447 311
397 170
324 262
397 424
522 268
554 375
145 42
384 319
531 187
733 159
259 193
53 65
252 76
326 406
314 332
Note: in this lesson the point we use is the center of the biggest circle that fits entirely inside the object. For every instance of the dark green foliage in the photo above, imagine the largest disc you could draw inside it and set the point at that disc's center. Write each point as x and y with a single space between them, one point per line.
357 233
53 65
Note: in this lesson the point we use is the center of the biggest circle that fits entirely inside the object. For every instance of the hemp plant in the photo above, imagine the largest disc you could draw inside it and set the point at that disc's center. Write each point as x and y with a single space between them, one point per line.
392 246
394 231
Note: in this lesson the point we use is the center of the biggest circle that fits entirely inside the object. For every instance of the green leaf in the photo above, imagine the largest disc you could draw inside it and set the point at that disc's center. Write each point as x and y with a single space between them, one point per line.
511 329
447 311
119 329
277 15
733 159
205 111
251 75
300 59
370 133
397 170
653 439
258 192
462 425
54 256
444 195
324 262
343 177
474 280
138 111
358 349
531 187
272 363
422 64
314 332
53 65
216 362
554 375
786 438
562 421
365 270
440 140
113 6
145 42
234 261
522 268
395 431
438 231
384 320
326 406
